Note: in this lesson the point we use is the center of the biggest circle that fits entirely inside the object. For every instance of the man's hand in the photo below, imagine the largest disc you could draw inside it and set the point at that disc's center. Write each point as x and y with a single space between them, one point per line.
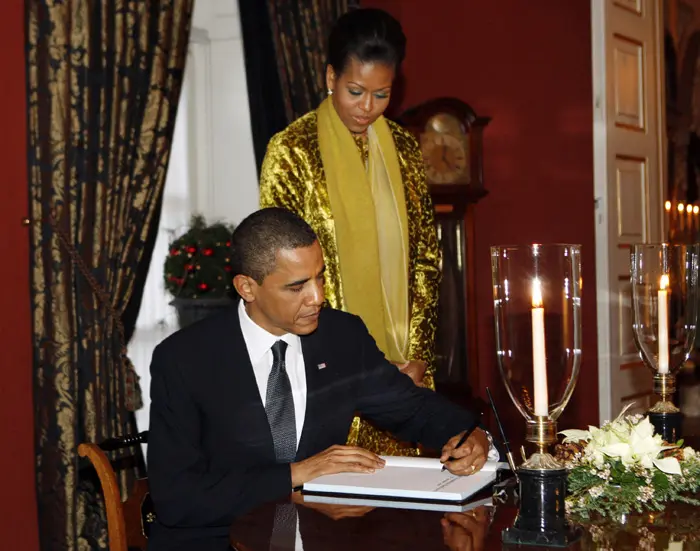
465 531
331 510
415 369
470 457
336 459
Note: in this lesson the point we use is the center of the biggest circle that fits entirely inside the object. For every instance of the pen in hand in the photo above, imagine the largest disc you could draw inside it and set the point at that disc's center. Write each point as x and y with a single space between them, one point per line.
463 439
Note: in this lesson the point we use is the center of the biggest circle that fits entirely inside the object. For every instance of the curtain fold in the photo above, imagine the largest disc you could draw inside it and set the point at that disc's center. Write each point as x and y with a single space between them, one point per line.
300 30
267 112
103 82
285 45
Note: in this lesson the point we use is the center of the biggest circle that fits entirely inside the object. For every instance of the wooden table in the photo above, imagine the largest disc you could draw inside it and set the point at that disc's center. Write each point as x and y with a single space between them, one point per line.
340 528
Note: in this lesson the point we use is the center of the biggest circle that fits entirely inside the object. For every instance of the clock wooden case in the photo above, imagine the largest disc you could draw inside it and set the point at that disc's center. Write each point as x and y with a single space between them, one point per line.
450 136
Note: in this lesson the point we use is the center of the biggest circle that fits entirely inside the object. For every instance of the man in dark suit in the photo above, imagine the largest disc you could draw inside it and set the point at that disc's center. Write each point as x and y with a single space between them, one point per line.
252 403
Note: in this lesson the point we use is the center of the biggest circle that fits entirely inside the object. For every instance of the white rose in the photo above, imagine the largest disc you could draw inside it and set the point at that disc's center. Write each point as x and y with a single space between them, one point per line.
598 459
621 429
621 450
642 430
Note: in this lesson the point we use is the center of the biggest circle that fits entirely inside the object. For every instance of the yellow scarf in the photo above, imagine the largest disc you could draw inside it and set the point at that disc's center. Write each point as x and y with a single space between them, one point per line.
371 228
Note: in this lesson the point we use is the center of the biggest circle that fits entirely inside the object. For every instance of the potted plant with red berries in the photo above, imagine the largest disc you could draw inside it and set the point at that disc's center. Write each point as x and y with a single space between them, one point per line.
197 270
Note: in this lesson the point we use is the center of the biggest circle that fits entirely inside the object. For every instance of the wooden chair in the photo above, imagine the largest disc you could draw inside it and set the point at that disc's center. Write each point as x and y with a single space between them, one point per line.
128 521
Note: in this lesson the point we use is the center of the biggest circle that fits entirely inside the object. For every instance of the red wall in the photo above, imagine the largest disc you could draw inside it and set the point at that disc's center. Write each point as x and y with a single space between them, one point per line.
18 521
528 66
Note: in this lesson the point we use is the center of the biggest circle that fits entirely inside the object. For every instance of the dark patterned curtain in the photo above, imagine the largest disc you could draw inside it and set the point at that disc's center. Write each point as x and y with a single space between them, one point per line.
104 80
267 113
285 58
300 31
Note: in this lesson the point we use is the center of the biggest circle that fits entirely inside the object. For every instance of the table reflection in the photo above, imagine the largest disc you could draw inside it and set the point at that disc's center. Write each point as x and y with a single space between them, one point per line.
328 526
675 529
466 531
340 526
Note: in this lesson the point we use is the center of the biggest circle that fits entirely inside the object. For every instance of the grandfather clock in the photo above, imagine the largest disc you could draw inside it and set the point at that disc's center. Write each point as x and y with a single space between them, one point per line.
450 137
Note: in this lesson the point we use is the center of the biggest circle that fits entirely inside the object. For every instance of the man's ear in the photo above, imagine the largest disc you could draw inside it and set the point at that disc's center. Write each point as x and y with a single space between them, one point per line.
246 287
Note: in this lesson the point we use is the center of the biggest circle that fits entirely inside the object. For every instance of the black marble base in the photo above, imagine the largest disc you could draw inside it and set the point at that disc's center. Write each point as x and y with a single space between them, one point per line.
541 516
514 536
668 425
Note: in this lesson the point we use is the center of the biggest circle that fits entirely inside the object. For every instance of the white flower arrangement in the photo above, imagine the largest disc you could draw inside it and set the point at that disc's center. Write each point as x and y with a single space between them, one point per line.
623 467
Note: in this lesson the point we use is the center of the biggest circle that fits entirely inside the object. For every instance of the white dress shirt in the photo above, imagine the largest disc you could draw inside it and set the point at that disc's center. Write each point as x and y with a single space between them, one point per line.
259 344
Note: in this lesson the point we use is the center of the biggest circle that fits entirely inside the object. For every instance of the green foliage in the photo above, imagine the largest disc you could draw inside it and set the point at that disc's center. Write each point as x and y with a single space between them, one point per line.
198 264
617 489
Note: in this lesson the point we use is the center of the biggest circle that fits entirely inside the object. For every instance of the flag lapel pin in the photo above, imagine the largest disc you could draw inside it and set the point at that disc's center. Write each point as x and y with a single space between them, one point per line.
321 366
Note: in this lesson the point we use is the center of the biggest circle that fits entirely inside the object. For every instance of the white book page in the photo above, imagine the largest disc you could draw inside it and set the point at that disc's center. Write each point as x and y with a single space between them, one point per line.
418 482
414 462
431 463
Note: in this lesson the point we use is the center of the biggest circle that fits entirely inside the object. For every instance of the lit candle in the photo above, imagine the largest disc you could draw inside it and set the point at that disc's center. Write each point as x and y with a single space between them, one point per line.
663 324
565 314
681 225
539 360
667 208
696 227
689 212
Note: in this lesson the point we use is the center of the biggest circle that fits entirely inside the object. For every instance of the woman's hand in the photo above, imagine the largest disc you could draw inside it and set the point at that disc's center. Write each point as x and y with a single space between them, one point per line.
415 369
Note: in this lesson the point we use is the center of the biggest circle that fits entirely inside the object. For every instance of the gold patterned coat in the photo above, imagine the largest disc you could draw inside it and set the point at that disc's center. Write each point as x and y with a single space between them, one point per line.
293 177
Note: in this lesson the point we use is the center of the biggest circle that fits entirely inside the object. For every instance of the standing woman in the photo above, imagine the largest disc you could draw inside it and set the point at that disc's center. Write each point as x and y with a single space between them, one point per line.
358 180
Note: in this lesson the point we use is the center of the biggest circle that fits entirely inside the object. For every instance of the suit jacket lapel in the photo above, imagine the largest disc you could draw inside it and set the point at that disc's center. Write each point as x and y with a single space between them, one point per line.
311 349
239 377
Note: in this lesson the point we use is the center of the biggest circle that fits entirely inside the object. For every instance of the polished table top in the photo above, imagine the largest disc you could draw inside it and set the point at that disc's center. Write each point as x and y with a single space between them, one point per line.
341 527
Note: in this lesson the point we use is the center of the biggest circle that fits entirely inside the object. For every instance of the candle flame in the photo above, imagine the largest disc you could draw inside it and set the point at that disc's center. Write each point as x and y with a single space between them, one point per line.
681 207
536 293
696 209
689 209
663 284
667 205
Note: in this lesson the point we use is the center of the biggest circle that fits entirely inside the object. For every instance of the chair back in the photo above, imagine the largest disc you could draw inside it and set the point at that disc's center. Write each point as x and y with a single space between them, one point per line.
127 521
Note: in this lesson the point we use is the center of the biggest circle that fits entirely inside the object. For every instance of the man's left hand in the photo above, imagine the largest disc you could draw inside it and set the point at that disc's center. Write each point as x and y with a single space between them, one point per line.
470 457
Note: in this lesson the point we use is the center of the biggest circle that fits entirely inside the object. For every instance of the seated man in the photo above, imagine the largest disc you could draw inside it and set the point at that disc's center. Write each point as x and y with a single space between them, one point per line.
252 403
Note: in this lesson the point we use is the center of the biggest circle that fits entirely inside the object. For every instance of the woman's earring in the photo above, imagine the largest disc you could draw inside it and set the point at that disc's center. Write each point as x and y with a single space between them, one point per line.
330 92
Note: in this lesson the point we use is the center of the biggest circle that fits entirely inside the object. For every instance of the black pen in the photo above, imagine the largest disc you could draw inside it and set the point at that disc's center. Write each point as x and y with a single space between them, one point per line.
506 444
474 426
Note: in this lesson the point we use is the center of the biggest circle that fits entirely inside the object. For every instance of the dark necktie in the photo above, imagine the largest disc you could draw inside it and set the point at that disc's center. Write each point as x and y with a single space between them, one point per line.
279 406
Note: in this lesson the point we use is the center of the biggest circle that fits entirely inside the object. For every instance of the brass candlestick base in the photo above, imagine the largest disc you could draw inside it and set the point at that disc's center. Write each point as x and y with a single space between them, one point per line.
664 415
665 386
542 432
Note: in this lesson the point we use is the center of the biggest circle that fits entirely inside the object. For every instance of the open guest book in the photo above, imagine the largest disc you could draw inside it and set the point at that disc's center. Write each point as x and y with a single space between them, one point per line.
407 479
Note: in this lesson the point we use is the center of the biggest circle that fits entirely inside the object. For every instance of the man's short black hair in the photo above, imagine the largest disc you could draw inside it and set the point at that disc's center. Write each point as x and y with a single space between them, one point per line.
256 240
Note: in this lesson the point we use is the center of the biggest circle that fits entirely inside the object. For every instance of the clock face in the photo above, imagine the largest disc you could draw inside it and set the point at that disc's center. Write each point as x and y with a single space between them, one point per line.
445 150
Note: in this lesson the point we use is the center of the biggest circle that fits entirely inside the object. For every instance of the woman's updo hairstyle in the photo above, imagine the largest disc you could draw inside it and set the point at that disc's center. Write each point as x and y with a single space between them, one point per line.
370 36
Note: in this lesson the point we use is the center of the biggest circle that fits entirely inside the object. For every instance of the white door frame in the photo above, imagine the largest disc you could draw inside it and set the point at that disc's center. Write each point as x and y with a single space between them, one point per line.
606 284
